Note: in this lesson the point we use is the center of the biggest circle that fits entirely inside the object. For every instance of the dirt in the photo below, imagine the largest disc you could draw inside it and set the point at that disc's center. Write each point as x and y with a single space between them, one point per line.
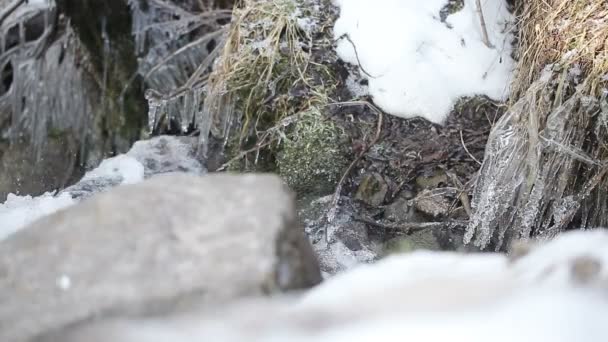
416 157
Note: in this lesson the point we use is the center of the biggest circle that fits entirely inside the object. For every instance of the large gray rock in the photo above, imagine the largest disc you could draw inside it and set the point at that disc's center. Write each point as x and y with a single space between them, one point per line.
155 247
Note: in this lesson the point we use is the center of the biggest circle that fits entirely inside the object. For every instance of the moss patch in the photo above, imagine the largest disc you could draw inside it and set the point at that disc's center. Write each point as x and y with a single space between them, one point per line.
311 160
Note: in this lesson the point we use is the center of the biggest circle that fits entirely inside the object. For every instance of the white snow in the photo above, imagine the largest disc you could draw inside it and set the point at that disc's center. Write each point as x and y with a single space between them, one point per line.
127 168
417 65
19 211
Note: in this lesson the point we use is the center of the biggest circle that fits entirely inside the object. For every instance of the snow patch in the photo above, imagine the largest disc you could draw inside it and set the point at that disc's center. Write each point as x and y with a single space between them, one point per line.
123 167
418 65
19 211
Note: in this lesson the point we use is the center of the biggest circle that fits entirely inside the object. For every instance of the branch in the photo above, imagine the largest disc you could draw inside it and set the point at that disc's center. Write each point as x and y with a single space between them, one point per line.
10 9
484 30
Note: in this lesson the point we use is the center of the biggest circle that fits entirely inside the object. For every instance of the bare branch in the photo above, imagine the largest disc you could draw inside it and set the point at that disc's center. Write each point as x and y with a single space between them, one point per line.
484 30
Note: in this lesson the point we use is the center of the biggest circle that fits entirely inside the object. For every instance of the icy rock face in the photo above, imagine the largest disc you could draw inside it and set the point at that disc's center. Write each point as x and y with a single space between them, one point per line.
46 100
153 247
556 292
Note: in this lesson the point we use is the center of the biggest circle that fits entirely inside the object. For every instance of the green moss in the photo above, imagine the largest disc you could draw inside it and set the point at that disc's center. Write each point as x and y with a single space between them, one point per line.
311 160
451 7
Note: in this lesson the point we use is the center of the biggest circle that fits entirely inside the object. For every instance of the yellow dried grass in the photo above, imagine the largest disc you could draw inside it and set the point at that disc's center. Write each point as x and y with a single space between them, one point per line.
564 32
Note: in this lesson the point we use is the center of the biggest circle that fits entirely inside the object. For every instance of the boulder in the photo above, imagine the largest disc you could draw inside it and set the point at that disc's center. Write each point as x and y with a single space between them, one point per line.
555 292
173 241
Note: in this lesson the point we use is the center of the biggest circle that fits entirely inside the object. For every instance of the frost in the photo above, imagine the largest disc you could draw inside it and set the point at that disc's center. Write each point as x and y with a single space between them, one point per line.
355 87
418 65
171 61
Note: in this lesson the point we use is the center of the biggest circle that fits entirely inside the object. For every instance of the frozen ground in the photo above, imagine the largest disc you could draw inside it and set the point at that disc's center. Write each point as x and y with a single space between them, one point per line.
418 64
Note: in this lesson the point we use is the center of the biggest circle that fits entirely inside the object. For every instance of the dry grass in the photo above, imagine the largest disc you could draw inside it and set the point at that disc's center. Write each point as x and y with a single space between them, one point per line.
546 159
564 32
262 60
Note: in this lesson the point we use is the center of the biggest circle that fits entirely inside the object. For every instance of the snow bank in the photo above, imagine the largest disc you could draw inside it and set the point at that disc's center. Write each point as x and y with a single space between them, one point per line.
418 65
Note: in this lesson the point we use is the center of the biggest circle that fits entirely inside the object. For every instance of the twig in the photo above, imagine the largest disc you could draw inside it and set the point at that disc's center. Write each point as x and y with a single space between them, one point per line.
462 193
331 213
199 41
356 54
467 150
408 228
10 9
482 21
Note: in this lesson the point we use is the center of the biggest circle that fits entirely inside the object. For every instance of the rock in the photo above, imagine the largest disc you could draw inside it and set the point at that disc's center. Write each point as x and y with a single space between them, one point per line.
312 159
151 248
433 204
432 181
166 154
372 189
424 239
401 210
426 296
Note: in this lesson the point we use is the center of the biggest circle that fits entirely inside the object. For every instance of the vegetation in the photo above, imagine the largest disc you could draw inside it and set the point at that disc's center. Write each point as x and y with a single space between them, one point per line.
267 95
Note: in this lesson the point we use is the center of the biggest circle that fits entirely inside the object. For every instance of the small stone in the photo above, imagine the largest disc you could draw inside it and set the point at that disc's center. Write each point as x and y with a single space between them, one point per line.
433 181
399 211
432 204
372 189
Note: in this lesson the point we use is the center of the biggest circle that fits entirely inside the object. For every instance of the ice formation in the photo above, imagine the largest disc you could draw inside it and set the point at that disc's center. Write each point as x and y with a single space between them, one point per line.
417 63
46 87
171 61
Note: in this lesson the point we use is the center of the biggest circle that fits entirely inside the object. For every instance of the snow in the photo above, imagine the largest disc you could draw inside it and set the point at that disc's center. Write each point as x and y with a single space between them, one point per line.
418 65
19 211
126 168
146 158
